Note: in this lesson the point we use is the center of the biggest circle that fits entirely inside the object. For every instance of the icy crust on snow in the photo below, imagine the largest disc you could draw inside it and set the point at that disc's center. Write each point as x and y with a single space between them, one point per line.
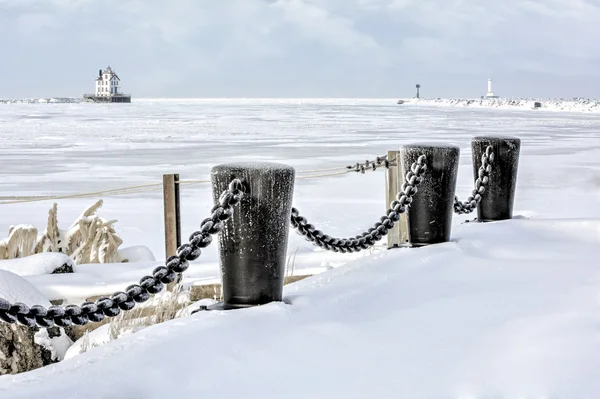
576 105
506 310
44 263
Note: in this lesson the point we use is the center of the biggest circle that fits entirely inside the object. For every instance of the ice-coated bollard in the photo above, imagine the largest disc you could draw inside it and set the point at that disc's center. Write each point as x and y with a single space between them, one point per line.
253 243
499 196
429 217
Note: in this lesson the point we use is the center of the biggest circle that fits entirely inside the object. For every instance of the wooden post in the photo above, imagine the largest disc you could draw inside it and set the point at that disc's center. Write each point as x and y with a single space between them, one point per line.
398 235
172 217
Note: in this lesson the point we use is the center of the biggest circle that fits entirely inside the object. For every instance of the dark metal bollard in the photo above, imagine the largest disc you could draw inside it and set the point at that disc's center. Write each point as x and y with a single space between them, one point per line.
498 199
430 215
253 243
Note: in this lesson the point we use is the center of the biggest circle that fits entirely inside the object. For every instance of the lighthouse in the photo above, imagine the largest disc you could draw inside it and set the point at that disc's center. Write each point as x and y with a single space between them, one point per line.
490 93
107 88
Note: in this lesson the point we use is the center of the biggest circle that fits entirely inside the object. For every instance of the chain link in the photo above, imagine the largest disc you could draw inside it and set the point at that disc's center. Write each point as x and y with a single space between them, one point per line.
135 293
367 239
372 165
481 183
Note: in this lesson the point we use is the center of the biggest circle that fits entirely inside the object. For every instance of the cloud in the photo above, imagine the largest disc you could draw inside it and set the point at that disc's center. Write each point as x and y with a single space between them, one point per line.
298 47
36 24
322 26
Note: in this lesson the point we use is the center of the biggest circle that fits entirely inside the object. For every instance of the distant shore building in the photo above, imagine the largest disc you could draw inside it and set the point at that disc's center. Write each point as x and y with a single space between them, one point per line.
490 93
107 88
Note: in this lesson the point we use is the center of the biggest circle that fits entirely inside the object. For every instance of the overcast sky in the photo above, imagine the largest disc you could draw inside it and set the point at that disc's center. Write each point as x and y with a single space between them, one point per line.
302 48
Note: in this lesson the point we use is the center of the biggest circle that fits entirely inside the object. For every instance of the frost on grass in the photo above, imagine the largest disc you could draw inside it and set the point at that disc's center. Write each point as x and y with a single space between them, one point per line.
89 239
161 308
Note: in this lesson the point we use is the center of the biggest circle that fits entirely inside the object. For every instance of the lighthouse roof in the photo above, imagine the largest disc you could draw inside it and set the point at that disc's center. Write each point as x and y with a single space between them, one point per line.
108 71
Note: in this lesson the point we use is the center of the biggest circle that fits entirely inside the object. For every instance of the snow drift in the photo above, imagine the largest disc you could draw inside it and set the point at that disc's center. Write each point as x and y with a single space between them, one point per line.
508 309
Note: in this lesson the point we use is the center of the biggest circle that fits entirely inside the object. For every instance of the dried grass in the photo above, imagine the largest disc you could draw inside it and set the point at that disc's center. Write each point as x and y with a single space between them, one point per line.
163 307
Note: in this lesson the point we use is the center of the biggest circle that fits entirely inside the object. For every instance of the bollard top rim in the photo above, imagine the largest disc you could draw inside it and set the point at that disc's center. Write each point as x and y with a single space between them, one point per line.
495 137
430 144
253 166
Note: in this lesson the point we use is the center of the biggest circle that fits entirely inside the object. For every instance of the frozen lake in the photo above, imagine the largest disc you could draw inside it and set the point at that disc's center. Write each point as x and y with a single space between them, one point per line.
507 309
59 149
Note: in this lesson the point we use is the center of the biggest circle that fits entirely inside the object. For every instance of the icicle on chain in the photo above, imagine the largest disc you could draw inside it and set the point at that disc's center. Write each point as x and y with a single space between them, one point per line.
481 183
373 165
367 239
136 293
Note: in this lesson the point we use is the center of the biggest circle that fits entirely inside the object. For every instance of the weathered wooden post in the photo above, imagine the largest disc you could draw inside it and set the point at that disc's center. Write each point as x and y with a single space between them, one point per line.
172 212
397 235
498 199
430 214
253 243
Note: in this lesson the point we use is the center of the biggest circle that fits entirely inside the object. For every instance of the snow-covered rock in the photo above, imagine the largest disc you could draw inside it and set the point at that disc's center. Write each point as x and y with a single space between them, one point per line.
44 263
23 348
571 105
137 253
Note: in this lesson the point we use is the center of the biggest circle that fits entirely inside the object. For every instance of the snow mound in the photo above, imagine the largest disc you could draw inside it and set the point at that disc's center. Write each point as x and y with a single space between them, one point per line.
507 309
33 265
93 279
136 253
13 288
573 105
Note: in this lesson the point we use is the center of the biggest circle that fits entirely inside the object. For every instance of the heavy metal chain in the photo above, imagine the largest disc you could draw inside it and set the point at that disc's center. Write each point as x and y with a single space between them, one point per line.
483 179
136 293
372 165
367 239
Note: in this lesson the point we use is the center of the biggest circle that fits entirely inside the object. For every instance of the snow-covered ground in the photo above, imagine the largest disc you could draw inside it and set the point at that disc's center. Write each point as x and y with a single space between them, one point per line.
506 309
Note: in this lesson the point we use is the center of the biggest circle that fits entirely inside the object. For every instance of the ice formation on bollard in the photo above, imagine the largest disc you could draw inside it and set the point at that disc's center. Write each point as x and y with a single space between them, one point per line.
498 200
430 214
253 243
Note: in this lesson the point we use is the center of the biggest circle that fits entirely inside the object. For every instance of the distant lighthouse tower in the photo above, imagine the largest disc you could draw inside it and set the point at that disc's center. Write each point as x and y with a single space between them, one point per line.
490 93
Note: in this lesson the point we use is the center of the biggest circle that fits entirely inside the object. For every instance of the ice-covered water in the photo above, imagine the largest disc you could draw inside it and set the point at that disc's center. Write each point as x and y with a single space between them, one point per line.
58 149
506 309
